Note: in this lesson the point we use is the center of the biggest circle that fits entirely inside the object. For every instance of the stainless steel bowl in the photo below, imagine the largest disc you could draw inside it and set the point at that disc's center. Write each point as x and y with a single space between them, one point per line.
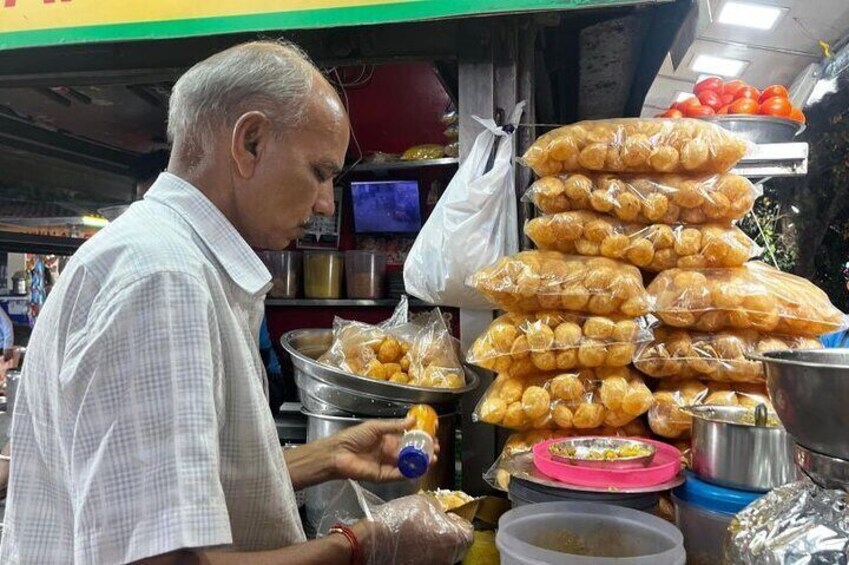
809 389
353 394
760 129
740 455
585 452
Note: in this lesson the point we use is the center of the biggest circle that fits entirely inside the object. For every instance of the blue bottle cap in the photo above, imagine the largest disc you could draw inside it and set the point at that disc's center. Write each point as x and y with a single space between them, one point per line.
413 462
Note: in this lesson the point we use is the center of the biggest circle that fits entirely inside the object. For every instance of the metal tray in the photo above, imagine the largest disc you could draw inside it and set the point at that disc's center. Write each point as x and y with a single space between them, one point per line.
353 394
760 129
601 444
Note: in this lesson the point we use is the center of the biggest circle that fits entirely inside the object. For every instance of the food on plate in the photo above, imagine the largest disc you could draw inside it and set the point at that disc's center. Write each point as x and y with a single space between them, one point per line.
601 450
667 419
656 247
633 145
589 398
522 344
753 296
523 442
669 199
720 356
547 280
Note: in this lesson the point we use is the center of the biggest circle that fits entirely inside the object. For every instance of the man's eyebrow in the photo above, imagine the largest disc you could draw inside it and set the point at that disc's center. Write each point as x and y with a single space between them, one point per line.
329 166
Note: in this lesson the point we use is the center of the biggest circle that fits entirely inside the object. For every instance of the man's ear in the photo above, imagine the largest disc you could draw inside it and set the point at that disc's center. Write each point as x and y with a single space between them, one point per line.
249 142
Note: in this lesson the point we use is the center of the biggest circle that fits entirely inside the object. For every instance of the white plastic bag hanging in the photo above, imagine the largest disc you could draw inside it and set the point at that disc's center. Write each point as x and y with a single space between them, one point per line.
473 224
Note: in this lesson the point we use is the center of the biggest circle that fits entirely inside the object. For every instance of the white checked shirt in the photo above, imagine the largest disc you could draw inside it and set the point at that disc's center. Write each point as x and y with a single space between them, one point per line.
141 424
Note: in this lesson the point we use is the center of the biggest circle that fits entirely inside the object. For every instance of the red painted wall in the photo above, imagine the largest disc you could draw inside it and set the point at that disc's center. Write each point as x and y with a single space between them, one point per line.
400 106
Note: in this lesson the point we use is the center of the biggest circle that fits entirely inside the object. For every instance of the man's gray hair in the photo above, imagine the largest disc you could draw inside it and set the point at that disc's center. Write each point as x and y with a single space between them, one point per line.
273 77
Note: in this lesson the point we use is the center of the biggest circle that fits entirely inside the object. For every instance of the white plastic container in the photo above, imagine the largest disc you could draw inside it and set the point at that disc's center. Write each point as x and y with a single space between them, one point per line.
607 535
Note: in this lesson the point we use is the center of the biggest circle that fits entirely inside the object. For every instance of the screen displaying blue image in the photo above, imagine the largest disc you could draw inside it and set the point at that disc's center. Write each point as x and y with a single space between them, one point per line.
386 207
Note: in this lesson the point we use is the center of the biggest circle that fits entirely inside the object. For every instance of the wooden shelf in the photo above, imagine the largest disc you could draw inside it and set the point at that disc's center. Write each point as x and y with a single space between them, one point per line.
402 165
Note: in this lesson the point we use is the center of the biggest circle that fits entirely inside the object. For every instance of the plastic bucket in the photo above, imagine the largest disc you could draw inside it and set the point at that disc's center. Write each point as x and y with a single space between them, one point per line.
581 533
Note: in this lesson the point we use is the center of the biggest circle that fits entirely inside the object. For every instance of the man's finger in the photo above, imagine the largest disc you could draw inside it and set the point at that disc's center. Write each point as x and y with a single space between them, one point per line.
391 426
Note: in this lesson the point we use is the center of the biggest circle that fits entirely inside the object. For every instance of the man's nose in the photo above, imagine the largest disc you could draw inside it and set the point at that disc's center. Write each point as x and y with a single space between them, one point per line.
324 204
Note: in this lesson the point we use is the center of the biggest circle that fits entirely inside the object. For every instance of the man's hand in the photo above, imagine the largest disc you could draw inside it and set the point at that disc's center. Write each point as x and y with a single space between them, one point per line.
369 451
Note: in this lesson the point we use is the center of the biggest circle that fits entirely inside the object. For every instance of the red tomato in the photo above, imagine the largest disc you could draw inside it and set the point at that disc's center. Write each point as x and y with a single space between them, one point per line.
672 113
797 114
687 103
774 90
748 92
743 106
722 111
776 106
710 98
732 86
727 99
713 84
699 111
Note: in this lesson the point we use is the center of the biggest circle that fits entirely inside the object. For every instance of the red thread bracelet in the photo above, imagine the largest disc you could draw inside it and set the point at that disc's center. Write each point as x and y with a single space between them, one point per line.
356 555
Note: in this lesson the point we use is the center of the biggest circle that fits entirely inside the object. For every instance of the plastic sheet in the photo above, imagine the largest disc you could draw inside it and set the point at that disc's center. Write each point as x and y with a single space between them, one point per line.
637 146
586 399
754 296
666 418
472 225
538 280
656 247
402 530
668 199
795 524
398 351
521 344
721 356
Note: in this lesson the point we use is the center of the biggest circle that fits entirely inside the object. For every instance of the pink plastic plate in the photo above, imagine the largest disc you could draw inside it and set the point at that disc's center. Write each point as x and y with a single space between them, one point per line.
665 467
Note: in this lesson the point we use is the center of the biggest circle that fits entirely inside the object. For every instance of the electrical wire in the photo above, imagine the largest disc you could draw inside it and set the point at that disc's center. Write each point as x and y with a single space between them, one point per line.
346 102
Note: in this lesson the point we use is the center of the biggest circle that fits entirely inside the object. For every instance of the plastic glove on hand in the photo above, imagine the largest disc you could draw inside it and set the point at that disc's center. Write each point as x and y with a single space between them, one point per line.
414 531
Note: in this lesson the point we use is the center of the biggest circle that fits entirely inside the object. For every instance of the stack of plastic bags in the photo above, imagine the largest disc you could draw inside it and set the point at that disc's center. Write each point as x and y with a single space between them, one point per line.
658 194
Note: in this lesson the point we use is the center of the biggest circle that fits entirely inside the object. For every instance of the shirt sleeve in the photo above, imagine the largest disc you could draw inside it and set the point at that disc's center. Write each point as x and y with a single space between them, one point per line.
145 398
7 332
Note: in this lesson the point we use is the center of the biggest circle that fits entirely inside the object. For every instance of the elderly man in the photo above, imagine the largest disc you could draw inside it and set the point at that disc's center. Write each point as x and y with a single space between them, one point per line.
141 430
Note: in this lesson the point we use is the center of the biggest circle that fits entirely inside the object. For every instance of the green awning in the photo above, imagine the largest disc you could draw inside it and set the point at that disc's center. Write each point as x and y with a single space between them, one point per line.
38 23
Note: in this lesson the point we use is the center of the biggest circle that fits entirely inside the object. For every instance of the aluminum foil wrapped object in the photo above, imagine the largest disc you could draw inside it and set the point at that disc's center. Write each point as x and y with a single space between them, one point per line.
796 524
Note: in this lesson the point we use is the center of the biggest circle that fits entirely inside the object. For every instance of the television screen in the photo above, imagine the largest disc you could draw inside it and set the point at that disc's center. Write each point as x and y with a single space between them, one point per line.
386 206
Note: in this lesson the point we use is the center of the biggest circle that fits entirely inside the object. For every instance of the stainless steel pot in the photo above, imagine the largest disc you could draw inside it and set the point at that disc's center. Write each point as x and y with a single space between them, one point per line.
809 389
441 475
739 455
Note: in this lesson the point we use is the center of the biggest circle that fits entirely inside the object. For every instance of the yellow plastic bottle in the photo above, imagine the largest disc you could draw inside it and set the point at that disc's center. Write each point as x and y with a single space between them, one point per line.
417 444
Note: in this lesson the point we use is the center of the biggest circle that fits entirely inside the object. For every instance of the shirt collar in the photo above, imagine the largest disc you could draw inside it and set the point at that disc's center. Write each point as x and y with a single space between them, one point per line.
236 257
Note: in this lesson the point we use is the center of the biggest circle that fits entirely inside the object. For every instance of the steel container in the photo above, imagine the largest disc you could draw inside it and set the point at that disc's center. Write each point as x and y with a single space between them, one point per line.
441 475
739 455
810 389
328 390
